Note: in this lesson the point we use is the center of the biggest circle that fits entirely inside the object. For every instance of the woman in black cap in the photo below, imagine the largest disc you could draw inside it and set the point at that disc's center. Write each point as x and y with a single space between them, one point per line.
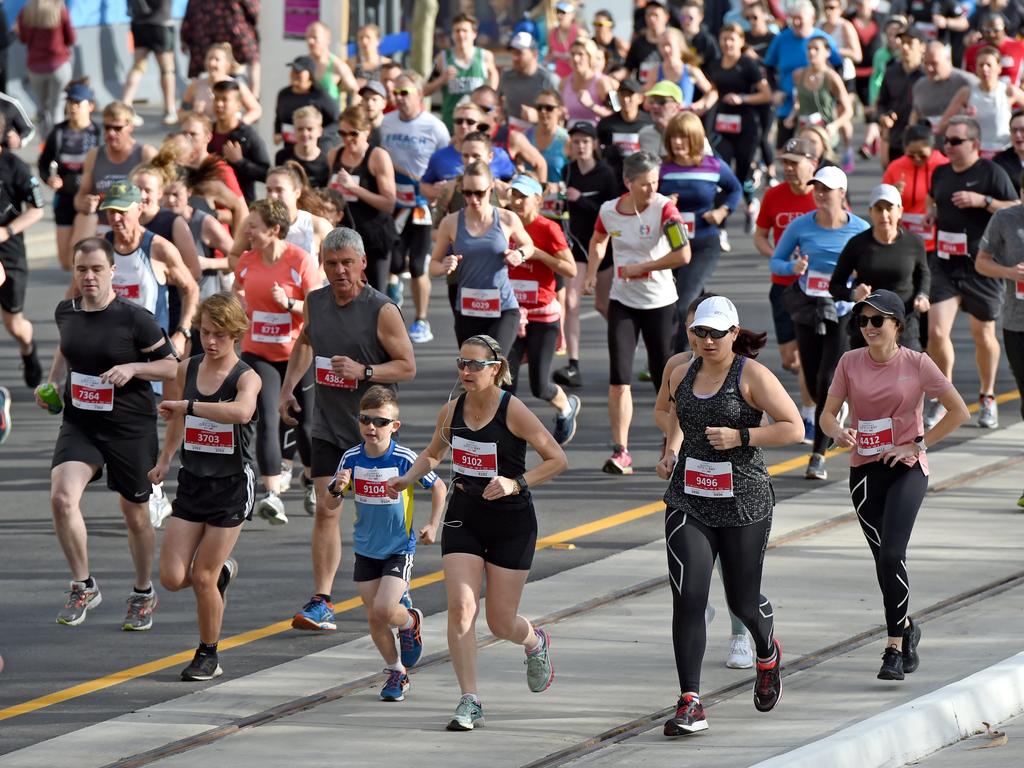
884 384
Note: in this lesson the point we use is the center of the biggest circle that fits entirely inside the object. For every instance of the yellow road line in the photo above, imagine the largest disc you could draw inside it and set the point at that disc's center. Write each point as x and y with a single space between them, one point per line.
579 531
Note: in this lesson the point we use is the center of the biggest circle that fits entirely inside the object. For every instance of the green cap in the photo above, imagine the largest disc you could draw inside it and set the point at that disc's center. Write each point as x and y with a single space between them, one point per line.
668 90
120 196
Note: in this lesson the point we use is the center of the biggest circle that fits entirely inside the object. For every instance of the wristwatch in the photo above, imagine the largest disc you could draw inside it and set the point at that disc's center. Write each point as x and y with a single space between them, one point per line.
988 200
186 332
190 409
921 447
368 373
10 231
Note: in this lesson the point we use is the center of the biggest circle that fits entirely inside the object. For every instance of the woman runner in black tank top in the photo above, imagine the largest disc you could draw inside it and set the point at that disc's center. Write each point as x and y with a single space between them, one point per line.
490 526
215 429
719 501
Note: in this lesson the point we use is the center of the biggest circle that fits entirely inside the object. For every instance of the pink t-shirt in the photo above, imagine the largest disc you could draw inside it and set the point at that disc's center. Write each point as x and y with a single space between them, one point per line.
879 392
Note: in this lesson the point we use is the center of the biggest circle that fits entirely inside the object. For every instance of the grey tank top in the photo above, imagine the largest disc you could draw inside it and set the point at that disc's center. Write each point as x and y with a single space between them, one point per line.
105 172
483 265
349 330
696 483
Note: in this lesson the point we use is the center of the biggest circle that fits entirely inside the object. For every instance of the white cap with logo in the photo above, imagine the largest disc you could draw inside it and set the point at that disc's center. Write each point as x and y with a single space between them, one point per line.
831 177
716 312
885 193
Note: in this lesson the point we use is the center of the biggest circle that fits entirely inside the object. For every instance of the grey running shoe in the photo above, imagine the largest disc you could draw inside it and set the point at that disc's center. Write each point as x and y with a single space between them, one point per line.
933 412
139 617
81 600
271 509
308 496
204 666
469 714
816 468
740 654
228 573
565 426
539 672
988 412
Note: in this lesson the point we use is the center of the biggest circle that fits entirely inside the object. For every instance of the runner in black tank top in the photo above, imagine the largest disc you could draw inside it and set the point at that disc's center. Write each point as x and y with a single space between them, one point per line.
214 425
490 526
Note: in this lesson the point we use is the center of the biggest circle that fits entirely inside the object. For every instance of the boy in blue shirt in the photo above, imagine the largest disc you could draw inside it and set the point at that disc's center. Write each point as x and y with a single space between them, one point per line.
384 540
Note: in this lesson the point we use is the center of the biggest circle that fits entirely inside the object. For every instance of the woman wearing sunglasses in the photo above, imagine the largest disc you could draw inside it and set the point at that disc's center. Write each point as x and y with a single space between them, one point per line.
474 245
490 527
884 384
550 138
719 500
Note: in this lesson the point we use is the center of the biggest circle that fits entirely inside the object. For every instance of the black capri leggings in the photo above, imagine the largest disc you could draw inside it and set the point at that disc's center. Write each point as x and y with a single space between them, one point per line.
502 329
1013 343
692 549
625 326
887 500
739 151
271 433
819 356
539 344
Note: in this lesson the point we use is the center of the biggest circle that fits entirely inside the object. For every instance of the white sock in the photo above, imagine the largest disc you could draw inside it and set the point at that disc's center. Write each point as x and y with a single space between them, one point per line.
564 413
398 666
410 622
471 696
807 412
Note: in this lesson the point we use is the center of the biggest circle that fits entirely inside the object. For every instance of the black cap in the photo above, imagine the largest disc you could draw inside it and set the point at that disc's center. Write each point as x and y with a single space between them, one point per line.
886 302
582 126
663 4
303 63
632 85
914 33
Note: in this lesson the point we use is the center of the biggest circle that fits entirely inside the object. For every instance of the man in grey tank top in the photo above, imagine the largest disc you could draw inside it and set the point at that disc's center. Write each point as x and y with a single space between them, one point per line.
356 337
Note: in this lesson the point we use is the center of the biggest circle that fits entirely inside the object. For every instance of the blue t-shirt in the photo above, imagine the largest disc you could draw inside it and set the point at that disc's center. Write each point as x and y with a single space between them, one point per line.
821 246
446 164
788 53
383 526
701 188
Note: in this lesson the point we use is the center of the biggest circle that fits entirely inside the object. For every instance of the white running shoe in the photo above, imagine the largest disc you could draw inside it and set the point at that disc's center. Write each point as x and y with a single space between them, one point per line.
159 506
271 509
284 480
740 655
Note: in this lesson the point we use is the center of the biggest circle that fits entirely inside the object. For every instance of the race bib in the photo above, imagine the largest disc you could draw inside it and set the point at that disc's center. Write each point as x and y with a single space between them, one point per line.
272 327
817 284
349 195
288 132
405 195
712 479
642 276
127 286
526 291
814 118
421 216
474 459
728 123
874 436
371 485
915 222
325 375
1019 292
205 436
690 221
480 302
89 393
951 244
72 162
627 143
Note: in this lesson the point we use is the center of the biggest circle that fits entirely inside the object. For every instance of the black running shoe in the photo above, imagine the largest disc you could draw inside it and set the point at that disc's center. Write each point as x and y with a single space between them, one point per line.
892 665
768 684
911 637
689 717
204 666
568 376
31 370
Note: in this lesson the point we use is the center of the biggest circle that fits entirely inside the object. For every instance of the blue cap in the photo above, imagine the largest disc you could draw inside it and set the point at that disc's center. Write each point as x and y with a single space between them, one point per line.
527 185
80 92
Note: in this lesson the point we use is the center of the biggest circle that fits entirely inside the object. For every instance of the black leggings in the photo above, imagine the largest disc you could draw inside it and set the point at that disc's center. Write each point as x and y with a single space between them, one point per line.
378 270
1013 343
819 356
739 151
625 326
271 433
887 500
502 329
692 549
539 344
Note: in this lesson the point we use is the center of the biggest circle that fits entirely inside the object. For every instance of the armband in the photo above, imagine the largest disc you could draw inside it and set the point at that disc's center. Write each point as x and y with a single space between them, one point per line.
162 351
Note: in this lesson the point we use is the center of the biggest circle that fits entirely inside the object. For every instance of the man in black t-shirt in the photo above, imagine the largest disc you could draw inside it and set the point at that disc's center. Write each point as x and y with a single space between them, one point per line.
963 197
619 133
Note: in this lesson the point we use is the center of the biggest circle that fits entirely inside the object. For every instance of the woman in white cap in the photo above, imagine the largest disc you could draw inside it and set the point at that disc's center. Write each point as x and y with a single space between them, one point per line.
884 384
885 256
719 501
810 247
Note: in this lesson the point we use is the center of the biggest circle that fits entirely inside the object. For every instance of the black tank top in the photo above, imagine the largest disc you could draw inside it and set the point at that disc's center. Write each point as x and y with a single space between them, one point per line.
699 489
363 214
476 456
211 449
163 224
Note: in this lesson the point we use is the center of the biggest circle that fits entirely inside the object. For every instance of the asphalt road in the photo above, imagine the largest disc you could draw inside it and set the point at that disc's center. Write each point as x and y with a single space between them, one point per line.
43 657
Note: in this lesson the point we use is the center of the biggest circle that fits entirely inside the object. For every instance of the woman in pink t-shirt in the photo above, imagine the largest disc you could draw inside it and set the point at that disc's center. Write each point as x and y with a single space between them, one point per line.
885 385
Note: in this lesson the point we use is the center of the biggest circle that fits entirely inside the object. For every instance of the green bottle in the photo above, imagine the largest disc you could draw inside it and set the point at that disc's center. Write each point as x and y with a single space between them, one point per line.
49 395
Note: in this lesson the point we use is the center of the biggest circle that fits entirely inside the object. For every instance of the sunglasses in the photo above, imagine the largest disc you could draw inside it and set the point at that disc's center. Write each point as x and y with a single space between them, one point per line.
487 109
545 107
114 128
403 91
602 23
917 155
656 101
479 193
702 333
955 141
378 421
348 134
474 366
875 320
464 121
1018 129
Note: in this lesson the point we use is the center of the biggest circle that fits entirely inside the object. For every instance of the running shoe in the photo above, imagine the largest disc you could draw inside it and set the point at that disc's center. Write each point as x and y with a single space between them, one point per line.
170 119
317 614
284 480
848 164
988 412
768 684
228 573
138 120
892 664
1020 501
740 654
159 507
5 414
469 714
271 509
753 209
81 600
31 370
308 495
808 432
568 376
723 239
396 292
395 686
709 614
565 426
816 468
204 666
539 672
139 617
411 640
406 599
619 463
643 375
689 717
911 638
933 413
419 332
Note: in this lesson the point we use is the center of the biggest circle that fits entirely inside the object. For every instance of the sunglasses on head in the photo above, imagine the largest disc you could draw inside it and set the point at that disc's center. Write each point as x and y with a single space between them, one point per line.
378 421
475 366
702 333
875 320
464 121
481 193
545 107
955 141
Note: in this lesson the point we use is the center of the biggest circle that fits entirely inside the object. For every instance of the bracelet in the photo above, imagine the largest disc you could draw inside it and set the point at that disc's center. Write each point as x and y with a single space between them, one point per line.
515 489
191 409
744 437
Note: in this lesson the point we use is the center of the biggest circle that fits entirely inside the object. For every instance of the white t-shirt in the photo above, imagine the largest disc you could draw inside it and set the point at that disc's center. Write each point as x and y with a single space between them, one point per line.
411 143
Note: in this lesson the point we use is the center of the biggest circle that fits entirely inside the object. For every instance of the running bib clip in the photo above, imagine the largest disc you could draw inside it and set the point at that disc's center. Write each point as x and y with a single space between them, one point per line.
205 436
90 393
874 436
371 485
480 302
272 327
326 377
951 244
474 459
712 479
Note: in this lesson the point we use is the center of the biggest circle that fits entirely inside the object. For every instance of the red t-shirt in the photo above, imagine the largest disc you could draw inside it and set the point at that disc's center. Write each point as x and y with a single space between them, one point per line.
779 207
1011 57
532 281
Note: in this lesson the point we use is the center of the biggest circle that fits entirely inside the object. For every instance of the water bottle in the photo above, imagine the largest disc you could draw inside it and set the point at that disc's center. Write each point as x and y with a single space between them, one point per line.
676 236
48 394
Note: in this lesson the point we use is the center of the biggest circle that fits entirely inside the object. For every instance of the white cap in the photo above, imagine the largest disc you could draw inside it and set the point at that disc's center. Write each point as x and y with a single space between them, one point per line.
831 177
887 193
716 312
522 41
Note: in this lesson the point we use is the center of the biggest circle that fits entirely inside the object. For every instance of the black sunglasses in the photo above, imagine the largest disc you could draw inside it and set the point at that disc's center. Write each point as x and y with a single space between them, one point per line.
348 134
474 193
114 128
475 366
545 107
488 109
378 421
702 333
464 121
875 320
955 141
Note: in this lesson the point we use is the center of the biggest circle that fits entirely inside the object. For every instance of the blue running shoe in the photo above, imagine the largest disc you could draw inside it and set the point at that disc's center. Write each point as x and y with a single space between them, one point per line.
406 600
317 614
808 431
420 333
411 640
395 687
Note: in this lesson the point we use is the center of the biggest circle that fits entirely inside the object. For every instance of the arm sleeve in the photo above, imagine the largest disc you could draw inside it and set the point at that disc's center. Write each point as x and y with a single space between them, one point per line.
430 176
146 330
884 99
428 480
837 286
309 274
922 272
670 213
780 263
771 56
69 31
1003 185
599 225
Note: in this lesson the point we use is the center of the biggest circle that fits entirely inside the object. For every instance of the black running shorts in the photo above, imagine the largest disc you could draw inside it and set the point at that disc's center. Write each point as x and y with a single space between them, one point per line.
223 502
506 538
371 568
128 461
